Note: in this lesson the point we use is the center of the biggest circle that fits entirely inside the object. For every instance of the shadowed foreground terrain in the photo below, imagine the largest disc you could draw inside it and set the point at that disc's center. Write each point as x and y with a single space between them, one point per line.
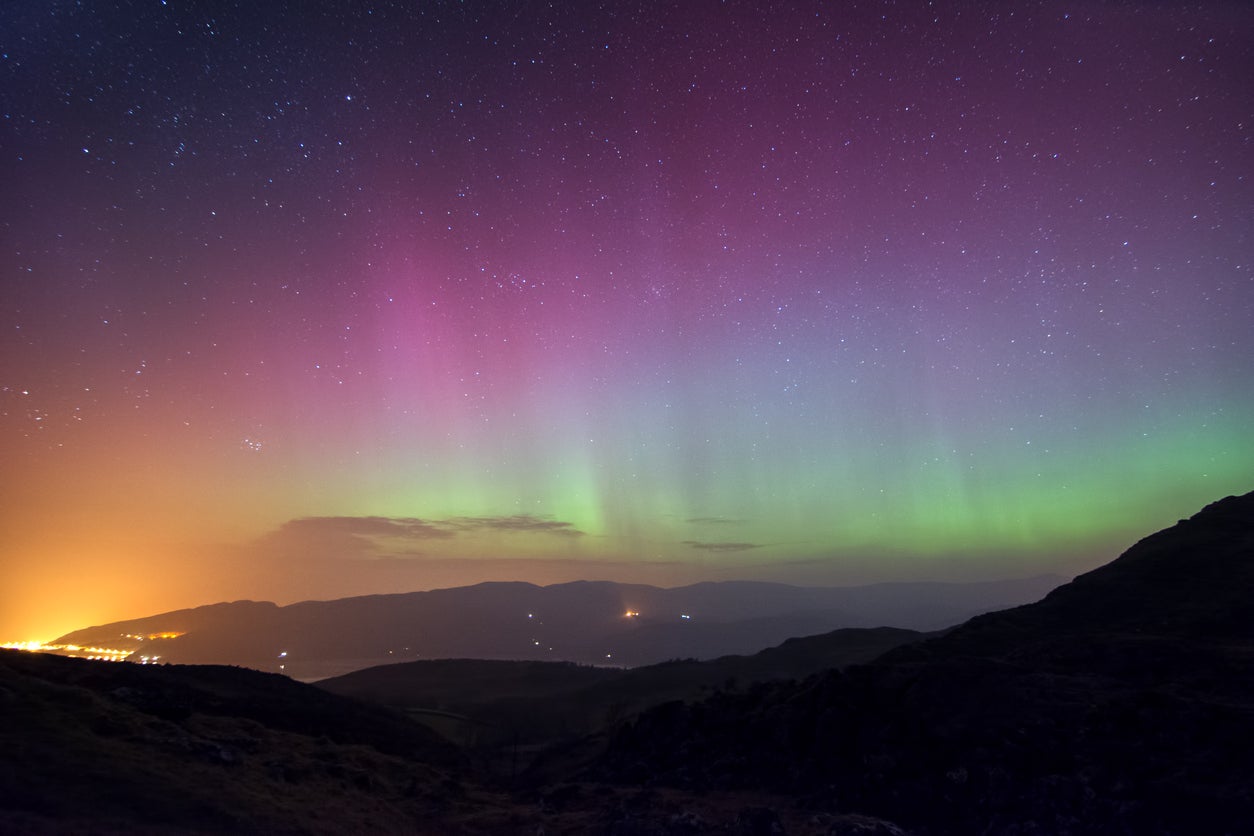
504 712
103 746
1122 703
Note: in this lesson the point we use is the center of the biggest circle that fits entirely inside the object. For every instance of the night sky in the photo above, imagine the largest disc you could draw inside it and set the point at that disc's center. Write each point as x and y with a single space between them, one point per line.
317 299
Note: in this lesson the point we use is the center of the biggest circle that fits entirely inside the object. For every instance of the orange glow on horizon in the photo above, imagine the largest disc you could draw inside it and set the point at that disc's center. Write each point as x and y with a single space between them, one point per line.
107 654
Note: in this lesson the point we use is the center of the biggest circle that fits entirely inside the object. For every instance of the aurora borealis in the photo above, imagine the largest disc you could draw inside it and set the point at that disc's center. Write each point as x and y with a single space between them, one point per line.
308 300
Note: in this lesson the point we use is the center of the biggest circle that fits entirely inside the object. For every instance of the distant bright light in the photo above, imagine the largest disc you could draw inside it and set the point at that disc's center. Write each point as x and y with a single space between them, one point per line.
108 654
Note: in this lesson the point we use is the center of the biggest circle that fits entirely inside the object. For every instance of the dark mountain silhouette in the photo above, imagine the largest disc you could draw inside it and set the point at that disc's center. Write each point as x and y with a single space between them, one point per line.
1121 703
1190 581
537 704
100 747
583 622
97 747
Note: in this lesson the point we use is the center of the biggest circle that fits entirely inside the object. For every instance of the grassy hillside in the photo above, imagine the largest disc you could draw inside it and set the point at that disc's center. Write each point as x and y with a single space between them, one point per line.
94 747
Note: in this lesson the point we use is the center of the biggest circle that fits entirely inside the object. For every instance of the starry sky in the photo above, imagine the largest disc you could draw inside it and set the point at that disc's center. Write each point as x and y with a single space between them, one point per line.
316 299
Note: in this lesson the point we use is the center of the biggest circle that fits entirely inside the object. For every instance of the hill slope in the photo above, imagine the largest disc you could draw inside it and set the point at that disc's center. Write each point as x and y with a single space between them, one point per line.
530 702
103 747
1121 703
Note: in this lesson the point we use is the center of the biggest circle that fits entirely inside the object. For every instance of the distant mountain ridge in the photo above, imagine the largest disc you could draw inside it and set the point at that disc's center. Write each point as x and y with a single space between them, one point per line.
590 622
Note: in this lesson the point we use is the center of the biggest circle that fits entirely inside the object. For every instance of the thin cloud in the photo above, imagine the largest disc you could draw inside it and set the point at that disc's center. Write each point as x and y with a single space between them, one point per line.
349 538
714 521
721 546
375 537
516 522
407 528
